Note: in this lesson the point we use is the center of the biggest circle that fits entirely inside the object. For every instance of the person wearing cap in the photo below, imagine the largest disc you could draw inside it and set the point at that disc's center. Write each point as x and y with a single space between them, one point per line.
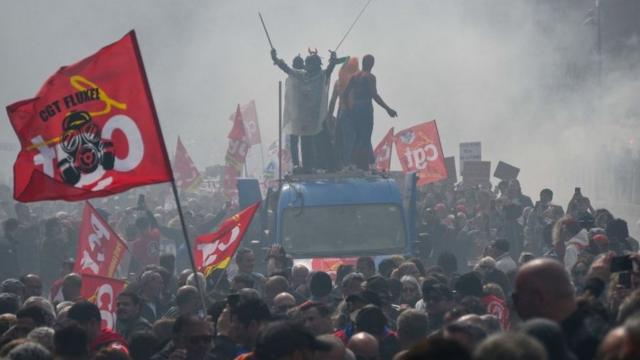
436 301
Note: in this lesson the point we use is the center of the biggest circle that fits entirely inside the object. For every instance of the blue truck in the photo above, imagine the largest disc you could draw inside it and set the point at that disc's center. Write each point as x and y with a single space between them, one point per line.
341 215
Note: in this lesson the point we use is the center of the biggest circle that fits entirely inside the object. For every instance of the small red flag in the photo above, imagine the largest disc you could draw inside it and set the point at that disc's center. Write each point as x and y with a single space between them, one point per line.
100 249
186 174
103 292
419 150
250 120
90 131
382 152
215 250
235 157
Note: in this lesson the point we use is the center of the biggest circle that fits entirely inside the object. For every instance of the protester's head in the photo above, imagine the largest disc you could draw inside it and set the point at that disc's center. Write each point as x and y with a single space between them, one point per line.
469 284
546 196
320 284
367 62
299 274
316 317
32 317
467 334
7 321
187 300
151 285
168 262
286 340
248 315
372 320
44 336
448 262
194 335
29 351
436 348
182 278
282 303
437 298
411 291
336 349
274 286
71 286
543 289
9 303
510 346
143 345
386 267
525 257
13 286
87 315
413 327
32 285
364 346
352 284
366 266
550 336
128 306
498 247
245 259
70 341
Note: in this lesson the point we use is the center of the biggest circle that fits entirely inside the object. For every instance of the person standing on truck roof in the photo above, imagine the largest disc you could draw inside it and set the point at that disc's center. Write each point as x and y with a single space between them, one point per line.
306 103
360 93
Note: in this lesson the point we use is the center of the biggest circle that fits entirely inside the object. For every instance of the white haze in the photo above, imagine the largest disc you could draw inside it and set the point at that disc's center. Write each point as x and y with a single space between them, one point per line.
501 71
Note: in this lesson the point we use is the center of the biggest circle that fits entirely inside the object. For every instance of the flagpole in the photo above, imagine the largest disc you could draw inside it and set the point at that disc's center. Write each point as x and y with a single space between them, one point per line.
173 180
280 133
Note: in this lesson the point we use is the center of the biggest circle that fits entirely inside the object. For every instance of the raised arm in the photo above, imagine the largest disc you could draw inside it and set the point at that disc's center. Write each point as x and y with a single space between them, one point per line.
279 62
376 97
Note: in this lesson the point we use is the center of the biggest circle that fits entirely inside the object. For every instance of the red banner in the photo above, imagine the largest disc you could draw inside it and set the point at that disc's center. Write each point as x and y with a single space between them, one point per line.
215 250
382 153
186 174
90 131
100 249
235 157
250 120
419 150
103 292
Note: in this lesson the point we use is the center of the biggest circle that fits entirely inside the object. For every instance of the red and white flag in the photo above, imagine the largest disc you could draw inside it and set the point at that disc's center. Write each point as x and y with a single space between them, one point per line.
103 292
100 249
215 250
250 120
382 153
235 157
419 151
90 131
186 174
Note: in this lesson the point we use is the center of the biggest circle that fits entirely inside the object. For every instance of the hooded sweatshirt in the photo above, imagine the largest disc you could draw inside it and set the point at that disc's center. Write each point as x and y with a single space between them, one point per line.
574 246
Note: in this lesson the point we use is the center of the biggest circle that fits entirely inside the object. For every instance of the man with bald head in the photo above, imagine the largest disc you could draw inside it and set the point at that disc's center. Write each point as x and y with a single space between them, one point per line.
622 342
282 303
543 289
364 345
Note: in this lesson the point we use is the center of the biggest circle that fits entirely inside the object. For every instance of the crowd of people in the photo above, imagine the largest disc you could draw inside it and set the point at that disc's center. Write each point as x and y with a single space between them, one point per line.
495 276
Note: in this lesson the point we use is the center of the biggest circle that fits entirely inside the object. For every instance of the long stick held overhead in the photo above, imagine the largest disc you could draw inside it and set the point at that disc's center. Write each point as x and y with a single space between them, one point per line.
265 30
350 27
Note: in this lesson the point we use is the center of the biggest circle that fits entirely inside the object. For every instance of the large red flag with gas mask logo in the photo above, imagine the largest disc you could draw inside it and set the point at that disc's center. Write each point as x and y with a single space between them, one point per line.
419 150
103 292
100 249
90 131
382 152
215 250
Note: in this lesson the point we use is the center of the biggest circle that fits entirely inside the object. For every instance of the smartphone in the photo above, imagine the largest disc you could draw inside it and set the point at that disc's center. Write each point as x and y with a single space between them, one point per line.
624 279
621 263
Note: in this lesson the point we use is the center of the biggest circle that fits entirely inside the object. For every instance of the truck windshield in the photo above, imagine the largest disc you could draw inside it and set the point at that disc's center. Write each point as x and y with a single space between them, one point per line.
344 230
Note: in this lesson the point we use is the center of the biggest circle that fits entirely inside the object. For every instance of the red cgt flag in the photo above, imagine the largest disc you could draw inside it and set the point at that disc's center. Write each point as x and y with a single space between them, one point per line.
419 150
103 292
100 249
382 152
187 175
215 250
235 157
90 131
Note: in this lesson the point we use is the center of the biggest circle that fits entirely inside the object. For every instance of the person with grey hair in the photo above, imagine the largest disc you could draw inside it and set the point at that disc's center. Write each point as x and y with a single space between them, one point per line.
410 291
337 349
151 286
352 284
466 333
550 336
30 351
42 335
512 346
191 280
41 302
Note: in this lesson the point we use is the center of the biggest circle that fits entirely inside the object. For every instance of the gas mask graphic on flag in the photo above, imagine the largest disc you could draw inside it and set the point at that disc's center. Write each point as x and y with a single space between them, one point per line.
84 148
